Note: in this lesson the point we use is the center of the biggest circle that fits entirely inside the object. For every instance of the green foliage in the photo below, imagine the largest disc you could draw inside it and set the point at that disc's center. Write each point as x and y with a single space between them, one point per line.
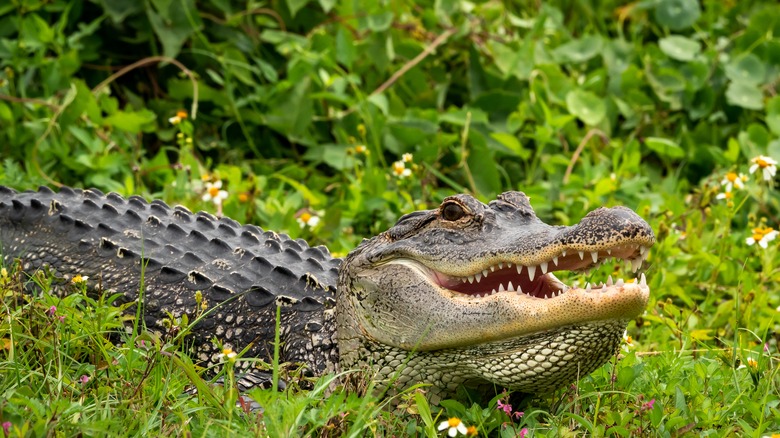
303 110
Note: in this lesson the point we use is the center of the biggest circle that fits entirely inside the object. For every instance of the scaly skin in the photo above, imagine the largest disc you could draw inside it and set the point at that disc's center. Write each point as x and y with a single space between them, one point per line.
414 304
405 296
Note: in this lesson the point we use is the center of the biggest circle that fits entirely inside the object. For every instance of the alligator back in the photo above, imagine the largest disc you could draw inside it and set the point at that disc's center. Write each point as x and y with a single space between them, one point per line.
242 272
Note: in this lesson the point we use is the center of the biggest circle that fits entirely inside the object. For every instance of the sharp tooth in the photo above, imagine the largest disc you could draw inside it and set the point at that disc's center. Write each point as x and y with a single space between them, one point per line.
643 279
620 282
464 279
508 264
642 250
609 281
636 264
484 272
519 269
471 279
532 272
563 253
587 287
609 252
604 288
492 269
509 286
501 288
595 256
478 277
555 260
493 291
543 265
581 254
501 265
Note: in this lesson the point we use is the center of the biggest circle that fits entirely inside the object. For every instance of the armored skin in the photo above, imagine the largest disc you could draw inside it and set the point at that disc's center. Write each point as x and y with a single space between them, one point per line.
462 294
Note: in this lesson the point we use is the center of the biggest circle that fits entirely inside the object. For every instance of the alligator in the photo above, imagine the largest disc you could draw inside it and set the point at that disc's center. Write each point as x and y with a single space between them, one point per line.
463 294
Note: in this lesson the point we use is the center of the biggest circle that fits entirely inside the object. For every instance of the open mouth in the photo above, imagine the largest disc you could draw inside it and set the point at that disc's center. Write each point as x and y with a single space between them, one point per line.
537 280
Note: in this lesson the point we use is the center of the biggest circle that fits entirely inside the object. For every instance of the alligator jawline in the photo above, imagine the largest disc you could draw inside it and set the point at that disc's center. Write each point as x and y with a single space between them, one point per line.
537 280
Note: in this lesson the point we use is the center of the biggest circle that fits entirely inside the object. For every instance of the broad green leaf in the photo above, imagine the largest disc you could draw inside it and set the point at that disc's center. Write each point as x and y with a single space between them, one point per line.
327 5
174 22
748 69
295 5
664 147
380 101
677 14
513 62
118 10
512 143
579 50
773 114
380 22
587 106
745 95
131 121
482 165
679 47
345 47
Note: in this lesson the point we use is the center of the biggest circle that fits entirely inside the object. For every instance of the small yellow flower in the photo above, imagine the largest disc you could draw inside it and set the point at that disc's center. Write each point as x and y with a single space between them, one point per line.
406 158
733 179
307 219
3 273
243 197
360 149
628 342
471 431
767 165
361 128
453 426
727 195
79 279
762 236
214 192
752 364
205 177
400 170
227 353
180 115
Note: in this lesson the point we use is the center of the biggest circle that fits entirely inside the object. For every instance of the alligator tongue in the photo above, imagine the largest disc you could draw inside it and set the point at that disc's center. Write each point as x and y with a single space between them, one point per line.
500 280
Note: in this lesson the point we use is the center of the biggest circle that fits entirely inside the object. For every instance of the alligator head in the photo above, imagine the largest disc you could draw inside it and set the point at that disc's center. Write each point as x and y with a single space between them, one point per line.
466 293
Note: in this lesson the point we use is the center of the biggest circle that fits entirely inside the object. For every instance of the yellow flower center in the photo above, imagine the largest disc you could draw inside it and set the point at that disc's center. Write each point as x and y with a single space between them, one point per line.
398 167
243 197
731 176
728 195
305 217
213 191
760 232
629 340
181 114
471 431
227 351
761 162
453 422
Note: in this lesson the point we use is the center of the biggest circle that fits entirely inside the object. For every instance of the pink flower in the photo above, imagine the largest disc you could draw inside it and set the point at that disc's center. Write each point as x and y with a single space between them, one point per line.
84 379
61 318
523 432
7 428
52 310
506 407
649 405
518 414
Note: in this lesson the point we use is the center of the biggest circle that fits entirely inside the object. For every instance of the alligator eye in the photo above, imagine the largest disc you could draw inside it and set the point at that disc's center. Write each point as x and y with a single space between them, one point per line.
452 212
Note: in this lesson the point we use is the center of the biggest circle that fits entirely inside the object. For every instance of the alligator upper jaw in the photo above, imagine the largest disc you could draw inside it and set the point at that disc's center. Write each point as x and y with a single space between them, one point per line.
532 278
